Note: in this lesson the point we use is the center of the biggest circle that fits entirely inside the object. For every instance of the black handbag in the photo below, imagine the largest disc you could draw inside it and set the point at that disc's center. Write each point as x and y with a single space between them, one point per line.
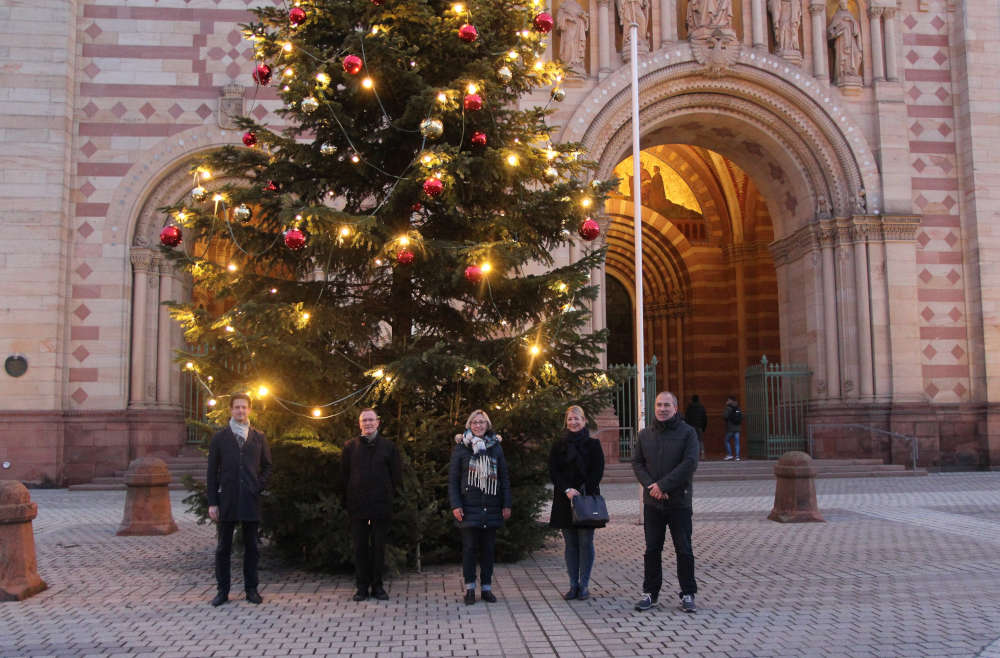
589 511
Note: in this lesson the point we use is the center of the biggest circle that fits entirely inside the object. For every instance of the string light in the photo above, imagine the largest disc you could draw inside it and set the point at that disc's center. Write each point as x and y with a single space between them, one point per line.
287 46
472 88
288 72
231 267
442 97
344 231
367 83
535 350
512 160
403 241
212 402
317 412
189 365
323 79
230 329
486 267
512 55
458 7
262 391
586 202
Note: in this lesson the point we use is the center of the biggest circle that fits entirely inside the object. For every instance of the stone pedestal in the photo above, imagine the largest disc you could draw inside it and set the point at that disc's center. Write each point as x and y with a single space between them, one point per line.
18 569
147 502
795 489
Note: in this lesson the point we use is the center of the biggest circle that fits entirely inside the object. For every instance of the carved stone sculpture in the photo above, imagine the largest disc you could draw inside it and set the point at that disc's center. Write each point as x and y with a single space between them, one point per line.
710 30
786 16
709 14
633 11
845 33
572 23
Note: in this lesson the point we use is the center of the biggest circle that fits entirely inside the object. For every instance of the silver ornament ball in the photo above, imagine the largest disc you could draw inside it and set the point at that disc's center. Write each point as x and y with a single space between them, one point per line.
309 104
242 212
431 128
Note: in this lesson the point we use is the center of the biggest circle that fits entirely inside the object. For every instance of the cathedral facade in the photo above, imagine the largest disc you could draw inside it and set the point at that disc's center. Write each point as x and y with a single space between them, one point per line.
819 185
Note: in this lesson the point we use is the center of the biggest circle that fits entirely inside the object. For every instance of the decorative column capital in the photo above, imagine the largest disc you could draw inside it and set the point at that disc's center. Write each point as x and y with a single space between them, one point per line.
142 261
817 7
875 12
900 228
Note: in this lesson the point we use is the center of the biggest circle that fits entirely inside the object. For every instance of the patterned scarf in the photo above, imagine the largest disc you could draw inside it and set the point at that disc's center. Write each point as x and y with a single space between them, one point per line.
482 472
241 430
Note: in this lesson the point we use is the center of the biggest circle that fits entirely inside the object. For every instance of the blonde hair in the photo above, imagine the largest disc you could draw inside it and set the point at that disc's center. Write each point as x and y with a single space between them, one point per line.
574 408
478 412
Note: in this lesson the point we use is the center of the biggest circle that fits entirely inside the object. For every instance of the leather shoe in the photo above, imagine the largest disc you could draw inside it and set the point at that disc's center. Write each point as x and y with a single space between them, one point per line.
583 595
360 595
219 599
488 596
470 596
380 594
571 594
254 597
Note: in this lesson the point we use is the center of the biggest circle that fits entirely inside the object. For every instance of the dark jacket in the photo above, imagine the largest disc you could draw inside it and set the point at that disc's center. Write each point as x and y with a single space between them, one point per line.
696 416
573 465
727 415
236 476
372 475
667 453
482 510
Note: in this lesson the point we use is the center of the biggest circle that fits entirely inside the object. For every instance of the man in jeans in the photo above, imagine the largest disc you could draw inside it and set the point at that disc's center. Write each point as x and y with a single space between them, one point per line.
666 457
734 418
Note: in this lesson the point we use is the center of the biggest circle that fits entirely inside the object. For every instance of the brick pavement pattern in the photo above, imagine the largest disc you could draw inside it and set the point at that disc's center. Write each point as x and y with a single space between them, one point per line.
902 567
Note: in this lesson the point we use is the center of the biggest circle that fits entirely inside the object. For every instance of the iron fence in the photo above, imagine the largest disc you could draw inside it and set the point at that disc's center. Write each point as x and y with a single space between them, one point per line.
775 414
625 402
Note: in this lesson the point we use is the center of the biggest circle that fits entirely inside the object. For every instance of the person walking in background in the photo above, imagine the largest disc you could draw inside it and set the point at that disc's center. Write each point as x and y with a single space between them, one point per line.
239 463
696 416
576 465
666 457
372 474
734 418
479 492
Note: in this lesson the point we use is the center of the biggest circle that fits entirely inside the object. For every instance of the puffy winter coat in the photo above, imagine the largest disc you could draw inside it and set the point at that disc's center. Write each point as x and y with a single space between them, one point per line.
667 454
481 510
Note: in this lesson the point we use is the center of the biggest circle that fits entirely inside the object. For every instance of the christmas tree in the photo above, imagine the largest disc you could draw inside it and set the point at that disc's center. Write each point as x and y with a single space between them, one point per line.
392 245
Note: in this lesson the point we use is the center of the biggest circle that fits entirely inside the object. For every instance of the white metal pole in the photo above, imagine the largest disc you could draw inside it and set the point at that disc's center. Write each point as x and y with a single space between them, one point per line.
640 357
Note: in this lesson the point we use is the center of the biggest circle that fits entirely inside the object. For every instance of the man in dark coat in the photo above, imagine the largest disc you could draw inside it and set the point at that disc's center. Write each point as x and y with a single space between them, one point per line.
697 417
239 463
372 475
666 457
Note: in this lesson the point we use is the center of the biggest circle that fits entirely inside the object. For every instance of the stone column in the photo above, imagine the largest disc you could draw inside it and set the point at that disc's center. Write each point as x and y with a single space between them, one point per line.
817 10
901 280
164 348
147 500
830 316
19 577
141 262
881 356
668 22
847 323
679 349
739 279
875 27
891 44
865 366
758 24
604 39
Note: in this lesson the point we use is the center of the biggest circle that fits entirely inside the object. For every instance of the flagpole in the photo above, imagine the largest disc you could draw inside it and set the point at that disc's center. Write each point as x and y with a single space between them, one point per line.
640 356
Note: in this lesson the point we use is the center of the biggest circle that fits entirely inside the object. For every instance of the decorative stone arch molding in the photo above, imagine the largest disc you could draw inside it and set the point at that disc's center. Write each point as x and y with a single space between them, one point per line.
807 156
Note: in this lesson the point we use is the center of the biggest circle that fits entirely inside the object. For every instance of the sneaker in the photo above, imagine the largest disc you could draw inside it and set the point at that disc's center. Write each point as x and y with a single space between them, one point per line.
687 603
646 602
727 458
738 459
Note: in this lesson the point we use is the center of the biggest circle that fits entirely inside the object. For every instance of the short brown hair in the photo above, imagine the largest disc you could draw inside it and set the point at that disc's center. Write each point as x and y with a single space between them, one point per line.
240 396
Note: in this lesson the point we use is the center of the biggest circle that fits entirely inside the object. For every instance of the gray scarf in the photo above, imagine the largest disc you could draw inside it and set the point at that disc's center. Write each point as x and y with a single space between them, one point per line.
241 430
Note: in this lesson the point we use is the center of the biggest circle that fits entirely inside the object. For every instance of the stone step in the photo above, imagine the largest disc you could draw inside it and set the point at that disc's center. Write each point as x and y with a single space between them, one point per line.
724 471
179 467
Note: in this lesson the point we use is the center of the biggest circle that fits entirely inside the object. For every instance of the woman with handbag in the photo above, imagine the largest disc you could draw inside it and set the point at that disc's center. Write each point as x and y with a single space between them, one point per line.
576 466
479 492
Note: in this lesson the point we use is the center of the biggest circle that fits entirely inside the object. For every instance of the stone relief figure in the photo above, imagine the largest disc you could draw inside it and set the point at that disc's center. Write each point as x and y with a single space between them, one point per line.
633 11
572 24
709 14
786 16
845 33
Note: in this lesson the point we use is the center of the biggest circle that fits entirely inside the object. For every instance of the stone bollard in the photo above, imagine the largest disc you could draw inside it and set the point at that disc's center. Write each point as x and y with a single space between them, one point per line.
795 489
147 502
18 569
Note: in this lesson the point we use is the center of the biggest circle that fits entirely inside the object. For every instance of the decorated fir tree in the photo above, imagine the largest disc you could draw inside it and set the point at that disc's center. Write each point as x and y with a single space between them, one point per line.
392 245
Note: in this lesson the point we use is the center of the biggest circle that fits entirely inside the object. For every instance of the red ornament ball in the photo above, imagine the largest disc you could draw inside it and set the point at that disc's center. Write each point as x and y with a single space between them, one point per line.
377 3
170 236
295 239
433 187
478 138
474 273
473 102
405 257
262 74
296 15
544 23
589 229
468 33
416 206
249 139
272 187
352 64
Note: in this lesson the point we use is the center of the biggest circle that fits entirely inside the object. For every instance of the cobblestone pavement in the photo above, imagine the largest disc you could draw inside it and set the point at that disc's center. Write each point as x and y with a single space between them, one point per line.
902 567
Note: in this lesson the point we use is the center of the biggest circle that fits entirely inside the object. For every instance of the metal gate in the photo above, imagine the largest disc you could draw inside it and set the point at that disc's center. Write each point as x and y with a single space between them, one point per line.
775 415
625 403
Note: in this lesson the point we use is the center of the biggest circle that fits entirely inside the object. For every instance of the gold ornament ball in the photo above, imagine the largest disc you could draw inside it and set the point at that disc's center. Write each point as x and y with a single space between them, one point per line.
431 128
505 74
309 104
199 193
326 148
551 174
558 94
242 212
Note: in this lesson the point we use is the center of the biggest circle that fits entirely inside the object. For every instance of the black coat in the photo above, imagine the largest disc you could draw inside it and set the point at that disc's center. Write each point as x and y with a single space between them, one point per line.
573 465
481 510
236 476
696 416
372 475
667 453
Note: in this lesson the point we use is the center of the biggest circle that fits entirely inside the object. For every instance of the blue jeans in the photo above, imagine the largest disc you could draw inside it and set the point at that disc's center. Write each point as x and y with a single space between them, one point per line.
736 436
579 555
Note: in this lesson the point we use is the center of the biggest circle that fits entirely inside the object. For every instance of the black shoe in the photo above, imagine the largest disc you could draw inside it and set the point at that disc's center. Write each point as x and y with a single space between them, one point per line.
361 595
687 603
571 594
470 596
220 599
380 594
583 595
646 602
488 596
254 597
